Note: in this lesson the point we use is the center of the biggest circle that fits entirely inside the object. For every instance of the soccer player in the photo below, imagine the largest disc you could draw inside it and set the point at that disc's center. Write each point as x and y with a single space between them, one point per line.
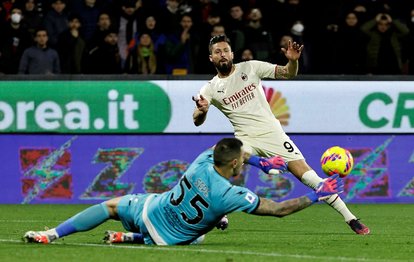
194 206
237 92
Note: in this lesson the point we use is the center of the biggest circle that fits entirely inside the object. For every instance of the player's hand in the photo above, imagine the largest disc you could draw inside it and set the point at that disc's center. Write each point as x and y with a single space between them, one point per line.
223 223
293 51
330 186
201 103
273 166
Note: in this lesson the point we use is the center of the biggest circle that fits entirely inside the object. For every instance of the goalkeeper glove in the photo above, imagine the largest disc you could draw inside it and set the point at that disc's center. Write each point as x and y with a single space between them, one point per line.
330 186
272 166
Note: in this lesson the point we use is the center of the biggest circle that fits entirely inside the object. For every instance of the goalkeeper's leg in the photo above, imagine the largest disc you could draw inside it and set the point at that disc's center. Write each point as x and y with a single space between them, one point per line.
83 221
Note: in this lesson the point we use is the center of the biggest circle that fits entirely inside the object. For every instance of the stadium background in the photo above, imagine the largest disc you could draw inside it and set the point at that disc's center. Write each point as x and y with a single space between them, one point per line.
100 137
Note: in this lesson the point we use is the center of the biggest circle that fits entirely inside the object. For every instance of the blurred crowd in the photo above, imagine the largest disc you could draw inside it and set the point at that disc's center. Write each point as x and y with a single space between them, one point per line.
345 37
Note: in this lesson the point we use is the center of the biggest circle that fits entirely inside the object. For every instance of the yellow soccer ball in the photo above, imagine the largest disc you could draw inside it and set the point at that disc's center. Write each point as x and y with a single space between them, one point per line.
337 160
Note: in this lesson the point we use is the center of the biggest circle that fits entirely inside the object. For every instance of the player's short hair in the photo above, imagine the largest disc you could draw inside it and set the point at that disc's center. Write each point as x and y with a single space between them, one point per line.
226 150
217 39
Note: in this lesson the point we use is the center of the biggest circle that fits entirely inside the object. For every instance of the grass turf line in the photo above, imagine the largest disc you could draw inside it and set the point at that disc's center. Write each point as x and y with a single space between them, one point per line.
315 234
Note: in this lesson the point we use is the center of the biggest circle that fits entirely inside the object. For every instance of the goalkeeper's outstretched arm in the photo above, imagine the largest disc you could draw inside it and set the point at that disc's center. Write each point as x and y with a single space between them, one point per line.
268 207
325 189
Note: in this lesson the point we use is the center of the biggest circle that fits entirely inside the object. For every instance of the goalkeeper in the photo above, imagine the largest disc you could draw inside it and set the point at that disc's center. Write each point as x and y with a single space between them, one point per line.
193 207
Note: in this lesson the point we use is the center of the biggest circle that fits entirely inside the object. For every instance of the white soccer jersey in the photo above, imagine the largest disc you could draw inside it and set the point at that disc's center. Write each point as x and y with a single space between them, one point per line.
241 98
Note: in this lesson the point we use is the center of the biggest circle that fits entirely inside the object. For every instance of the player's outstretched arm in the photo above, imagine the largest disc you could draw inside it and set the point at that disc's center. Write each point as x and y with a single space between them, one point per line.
200 112
328 187
268 207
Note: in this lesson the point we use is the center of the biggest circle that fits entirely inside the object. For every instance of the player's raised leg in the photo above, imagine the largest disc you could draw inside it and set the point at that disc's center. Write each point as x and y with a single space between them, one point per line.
309 177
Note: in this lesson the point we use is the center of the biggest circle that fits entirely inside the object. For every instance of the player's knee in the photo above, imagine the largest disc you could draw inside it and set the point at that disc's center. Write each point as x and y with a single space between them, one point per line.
112 205
298 167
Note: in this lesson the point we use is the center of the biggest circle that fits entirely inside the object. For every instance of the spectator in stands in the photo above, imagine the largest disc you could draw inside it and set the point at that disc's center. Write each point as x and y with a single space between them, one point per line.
289 13
213 19
236 18
142 59
72 48
217 29
258 38
14 39
205 10
56 21
158 39
410 42
362 13
6 8
103 24
88 11
32 18
182 48
151 27
247 55
236 26
170 16
384 55
351 54
127 26
40 59
105 58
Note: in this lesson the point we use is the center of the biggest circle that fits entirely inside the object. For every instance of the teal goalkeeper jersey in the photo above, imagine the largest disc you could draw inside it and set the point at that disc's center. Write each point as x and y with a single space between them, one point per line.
196 204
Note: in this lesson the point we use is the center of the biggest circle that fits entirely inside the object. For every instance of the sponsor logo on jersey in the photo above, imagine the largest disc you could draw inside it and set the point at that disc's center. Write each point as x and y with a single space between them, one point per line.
244 77
250 198
247 91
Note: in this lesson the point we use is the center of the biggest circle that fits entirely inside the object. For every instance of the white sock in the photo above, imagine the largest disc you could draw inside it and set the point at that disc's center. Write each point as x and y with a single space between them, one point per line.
311 179
52 232
128 237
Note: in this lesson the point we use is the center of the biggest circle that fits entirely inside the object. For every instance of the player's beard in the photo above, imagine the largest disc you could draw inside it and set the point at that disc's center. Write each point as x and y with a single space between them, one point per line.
224 68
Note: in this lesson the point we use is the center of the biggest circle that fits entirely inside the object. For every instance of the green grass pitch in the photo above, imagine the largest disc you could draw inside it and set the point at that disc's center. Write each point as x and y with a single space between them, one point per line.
315 234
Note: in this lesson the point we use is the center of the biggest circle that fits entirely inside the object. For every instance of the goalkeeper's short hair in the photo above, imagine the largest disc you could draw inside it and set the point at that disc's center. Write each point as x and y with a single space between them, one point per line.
226 150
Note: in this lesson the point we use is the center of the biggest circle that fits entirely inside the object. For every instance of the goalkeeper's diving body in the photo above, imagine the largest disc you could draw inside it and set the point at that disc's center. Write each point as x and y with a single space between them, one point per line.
194 206
237 92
